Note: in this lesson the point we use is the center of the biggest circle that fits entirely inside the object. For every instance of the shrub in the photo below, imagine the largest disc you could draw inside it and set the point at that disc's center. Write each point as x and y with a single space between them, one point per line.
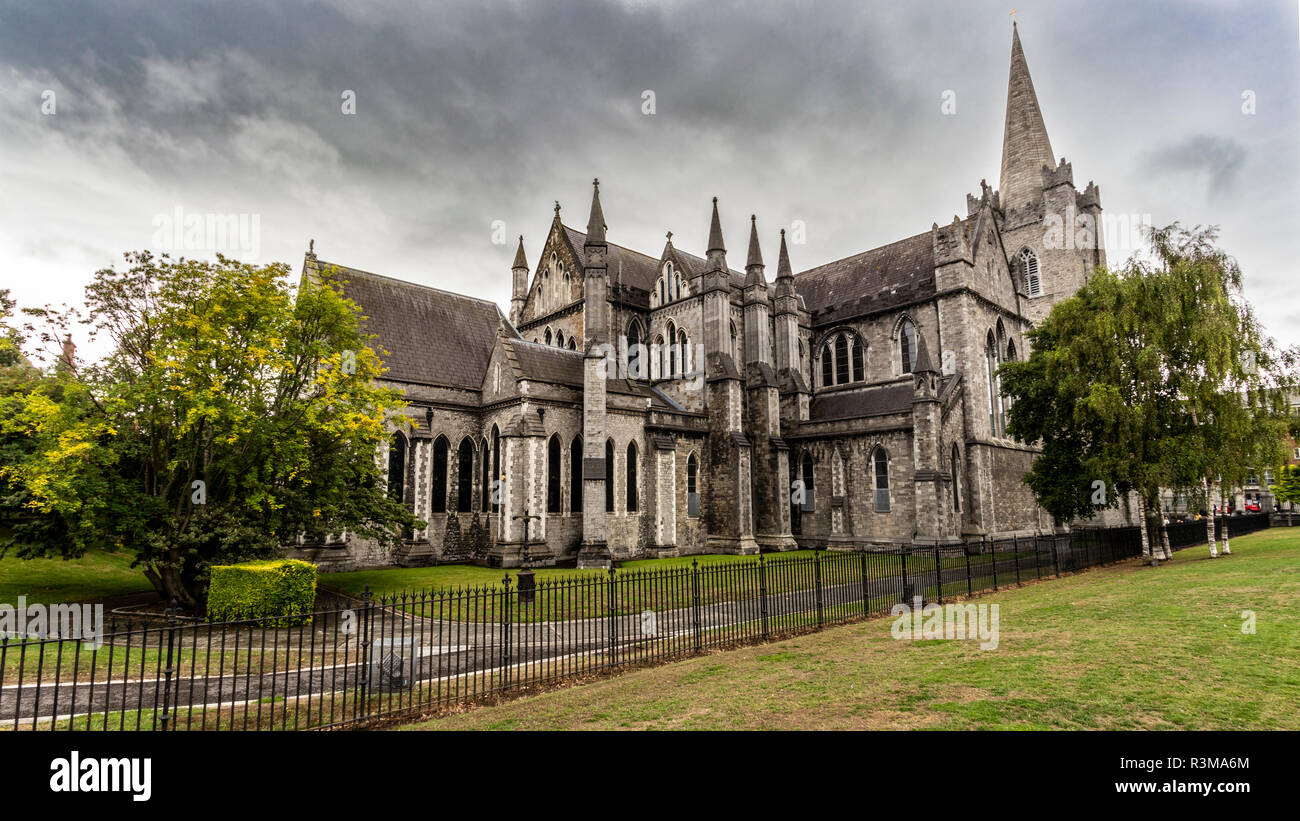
284 587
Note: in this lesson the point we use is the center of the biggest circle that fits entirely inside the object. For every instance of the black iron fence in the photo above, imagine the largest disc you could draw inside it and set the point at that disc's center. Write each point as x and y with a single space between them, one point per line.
392 655
1195 532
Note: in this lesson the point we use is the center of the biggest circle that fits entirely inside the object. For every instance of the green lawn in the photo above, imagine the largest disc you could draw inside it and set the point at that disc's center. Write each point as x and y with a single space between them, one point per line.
1120 647
93 577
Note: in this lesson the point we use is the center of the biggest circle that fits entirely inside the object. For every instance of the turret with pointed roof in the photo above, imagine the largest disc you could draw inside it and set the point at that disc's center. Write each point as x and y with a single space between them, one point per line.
519 283
717 252
595 276
754 262
1025 146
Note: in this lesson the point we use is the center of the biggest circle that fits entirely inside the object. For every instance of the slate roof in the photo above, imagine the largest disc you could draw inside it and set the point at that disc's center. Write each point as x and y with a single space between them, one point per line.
540 362
433 337
873 401
876 400
893 274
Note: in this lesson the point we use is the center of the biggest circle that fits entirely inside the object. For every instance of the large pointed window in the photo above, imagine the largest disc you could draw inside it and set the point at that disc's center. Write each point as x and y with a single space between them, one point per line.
553 479
841 359
1029 264
637 362
485 489
575 475
465 475
880 463
859 366
956 479
631 478
828 367
609 476
439 500
397 466
692 486
907 346
496 469
995 401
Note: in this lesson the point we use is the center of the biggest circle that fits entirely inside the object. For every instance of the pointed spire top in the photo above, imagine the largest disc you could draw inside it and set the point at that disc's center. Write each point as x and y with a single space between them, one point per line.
557 209
1025 146
783 269
715 231
520 260
923 362
755 254
596 223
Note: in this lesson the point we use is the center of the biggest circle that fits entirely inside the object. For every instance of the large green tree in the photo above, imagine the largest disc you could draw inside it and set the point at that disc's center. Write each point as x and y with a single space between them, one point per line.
1156 375
229 415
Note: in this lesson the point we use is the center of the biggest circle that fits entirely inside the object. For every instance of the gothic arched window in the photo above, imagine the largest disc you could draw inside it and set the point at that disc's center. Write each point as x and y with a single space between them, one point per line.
956 479
657 359
496 468
397 466
991 362
692 486
841 359
681 352
485 491
735 343
907 346
559 339
553 504
575 475
636 359
859 365
671 369
880 464
439 500
809 502
1029 264
631 477
547 337
465 476
609 476
828 367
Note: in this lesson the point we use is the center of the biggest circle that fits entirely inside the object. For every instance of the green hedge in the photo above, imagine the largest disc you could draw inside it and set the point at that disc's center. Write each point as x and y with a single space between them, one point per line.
285 587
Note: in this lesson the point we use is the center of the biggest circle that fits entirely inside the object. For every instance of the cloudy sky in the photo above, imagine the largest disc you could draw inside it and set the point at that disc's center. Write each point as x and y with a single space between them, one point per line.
475 116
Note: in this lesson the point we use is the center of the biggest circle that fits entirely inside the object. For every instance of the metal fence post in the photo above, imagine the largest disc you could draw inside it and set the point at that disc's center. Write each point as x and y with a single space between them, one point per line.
613 622
1056 558
1015 551
167 673
866 603
993 553
965 549
762 592
361 706
695 600
505 633
902 552
817 570
938 575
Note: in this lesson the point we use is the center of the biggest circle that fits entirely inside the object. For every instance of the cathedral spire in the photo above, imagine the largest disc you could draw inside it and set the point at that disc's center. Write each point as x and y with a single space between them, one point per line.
1025 147
520 260
717 252
783 269
754 262
596 223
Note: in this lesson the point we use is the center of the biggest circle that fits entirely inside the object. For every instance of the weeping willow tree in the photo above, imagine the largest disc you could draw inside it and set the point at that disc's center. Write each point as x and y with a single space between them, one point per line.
1153 376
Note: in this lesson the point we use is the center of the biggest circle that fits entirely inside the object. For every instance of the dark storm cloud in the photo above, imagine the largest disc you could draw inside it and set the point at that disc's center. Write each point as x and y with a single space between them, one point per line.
468 113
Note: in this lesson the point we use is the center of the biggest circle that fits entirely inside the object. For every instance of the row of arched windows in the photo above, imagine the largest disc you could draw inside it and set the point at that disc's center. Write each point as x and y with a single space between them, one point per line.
668 287
805 490
488 453
557 340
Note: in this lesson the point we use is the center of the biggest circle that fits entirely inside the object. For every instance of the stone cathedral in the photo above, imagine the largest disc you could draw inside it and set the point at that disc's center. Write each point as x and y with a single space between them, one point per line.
638 406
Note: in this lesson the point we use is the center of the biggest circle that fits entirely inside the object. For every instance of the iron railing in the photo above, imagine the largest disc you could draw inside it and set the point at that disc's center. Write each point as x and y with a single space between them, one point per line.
362 659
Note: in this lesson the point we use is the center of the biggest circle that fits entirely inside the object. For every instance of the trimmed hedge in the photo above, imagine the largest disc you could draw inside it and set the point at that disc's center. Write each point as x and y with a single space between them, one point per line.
283 587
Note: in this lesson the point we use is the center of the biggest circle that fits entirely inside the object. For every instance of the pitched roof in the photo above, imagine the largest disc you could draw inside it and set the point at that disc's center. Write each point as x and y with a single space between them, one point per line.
432 336
893 274
872 401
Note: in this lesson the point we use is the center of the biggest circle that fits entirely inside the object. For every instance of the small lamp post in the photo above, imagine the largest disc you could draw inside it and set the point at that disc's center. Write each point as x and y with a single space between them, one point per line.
527 582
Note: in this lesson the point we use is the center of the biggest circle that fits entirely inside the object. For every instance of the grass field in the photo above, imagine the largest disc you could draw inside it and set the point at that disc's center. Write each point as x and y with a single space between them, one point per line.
93 577
1121 647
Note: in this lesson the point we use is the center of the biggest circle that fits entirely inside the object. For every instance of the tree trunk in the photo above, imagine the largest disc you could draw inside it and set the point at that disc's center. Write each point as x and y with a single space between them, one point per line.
1154 546
167 580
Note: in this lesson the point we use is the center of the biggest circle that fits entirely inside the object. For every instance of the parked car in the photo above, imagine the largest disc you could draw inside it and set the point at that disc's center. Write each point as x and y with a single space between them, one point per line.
1252 508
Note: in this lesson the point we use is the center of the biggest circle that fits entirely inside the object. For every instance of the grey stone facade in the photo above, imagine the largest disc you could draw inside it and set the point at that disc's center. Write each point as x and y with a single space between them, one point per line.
850 406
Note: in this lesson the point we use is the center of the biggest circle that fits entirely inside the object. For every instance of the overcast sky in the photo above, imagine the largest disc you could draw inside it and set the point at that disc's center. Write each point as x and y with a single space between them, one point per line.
475 114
